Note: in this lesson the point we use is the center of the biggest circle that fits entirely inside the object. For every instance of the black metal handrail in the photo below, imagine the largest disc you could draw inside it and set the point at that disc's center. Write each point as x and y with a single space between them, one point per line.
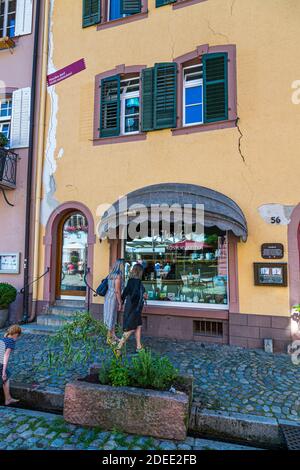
35 280
8 168
88 270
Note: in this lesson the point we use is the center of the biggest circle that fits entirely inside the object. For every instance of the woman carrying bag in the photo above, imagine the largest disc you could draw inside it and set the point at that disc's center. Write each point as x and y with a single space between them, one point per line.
113 300
134 296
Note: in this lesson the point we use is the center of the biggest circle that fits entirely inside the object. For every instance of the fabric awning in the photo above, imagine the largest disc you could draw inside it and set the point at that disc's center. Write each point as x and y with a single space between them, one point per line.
219 210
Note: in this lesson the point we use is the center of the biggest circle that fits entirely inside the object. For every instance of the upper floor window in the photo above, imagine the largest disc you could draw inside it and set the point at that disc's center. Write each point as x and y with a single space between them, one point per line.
8 18
104 11
5 116
15 17
130 106
120 106
195 92
114 10
176 3
193 95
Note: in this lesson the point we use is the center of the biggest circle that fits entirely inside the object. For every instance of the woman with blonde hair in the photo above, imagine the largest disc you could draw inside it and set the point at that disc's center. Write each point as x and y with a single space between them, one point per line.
134 297
113 300
7 346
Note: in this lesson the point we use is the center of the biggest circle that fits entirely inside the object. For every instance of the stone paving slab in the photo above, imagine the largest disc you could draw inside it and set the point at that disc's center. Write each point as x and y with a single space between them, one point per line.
227 378
27 430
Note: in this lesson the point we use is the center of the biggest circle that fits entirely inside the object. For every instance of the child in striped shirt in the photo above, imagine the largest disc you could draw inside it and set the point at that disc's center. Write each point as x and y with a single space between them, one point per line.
7 346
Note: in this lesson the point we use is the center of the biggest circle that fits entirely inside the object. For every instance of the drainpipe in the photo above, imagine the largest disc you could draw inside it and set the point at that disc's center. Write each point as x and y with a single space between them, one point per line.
40 156
30 162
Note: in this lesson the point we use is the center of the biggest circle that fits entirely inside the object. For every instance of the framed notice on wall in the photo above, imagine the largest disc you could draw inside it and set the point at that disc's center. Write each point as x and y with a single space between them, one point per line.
270 274
9 263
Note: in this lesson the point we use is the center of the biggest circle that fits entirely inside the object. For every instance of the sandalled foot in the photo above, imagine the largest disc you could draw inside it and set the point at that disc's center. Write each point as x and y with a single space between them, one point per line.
11 402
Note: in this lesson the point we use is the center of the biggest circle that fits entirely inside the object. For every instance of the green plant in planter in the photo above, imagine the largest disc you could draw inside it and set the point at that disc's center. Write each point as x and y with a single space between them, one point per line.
3 140
76 344
8 294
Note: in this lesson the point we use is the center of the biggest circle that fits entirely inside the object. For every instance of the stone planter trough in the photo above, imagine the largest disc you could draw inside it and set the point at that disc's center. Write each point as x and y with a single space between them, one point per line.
160 414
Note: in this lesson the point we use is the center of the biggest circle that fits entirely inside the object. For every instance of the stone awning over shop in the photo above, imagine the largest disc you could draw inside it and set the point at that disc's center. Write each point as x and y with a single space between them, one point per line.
219 210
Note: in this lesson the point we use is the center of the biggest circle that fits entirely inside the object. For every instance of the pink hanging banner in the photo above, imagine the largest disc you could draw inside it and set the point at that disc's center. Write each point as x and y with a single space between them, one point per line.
66 72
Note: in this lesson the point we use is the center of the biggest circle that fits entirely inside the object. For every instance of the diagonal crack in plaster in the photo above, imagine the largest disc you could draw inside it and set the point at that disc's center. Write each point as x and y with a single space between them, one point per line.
216 33
240 138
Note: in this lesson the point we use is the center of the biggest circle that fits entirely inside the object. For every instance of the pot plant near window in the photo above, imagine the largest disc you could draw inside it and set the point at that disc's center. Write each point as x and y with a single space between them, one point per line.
8 294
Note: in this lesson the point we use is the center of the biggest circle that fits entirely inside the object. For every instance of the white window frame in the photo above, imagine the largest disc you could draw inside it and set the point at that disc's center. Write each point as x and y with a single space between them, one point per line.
6 119
6 18
191 84
125 96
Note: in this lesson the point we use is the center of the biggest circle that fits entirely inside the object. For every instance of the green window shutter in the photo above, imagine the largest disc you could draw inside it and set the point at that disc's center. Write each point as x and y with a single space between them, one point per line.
147 99
215 87
161 3
130 7
91 12
110 107
165 95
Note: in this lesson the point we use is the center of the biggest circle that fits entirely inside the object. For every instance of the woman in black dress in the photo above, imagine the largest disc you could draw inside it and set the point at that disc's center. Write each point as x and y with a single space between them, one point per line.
134 296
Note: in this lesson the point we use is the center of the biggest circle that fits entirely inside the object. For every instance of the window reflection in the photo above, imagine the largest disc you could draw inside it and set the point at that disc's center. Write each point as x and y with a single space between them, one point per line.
182 269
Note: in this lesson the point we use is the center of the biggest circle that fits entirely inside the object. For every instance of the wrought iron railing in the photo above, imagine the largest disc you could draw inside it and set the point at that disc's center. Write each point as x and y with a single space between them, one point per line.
8 169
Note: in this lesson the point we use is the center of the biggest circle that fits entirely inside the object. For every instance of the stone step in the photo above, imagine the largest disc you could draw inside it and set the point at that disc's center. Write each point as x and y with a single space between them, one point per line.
35 329
70 303
54 320
66 311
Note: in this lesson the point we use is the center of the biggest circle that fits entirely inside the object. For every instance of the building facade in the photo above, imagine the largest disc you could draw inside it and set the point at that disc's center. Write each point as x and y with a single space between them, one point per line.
20 34
181 102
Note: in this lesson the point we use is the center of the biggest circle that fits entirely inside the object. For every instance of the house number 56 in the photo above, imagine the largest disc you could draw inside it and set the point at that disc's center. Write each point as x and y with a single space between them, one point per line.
275 220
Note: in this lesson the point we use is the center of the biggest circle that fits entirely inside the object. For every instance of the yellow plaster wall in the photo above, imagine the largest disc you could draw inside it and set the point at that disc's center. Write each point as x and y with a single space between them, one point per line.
266 34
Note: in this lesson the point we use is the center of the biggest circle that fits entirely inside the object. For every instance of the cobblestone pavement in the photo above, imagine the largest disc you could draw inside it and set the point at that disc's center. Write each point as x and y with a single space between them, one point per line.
27 430
226 378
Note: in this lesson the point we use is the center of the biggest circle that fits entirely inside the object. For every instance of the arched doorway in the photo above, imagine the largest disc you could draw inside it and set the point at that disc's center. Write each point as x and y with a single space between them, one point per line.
72 239
60 217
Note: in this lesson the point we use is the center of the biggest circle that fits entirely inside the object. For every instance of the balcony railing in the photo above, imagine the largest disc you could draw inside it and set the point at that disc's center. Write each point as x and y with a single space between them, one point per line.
8 169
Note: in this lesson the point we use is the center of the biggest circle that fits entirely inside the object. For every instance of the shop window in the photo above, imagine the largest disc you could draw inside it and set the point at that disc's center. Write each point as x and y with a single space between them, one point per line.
7 18
180 270
105 11
208 328
5 116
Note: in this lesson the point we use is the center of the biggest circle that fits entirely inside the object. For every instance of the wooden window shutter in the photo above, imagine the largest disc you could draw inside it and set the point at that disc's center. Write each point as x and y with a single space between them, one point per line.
20 121
23 17
130 7
91 12
161 3
165 93
215 87
110 107
147 99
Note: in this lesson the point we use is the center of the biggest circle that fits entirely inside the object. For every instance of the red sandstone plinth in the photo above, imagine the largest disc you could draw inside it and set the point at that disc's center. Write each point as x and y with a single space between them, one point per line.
132 410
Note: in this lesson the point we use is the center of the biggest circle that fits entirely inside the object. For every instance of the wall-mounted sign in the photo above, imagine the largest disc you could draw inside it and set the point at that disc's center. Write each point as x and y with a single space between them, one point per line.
270 274
9 263
66 72
272 251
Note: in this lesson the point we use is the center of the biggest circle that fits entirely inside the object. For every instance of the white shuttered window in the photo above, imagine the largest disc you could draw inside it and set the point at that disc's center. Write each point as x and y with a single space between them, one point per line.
20 123
24 17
